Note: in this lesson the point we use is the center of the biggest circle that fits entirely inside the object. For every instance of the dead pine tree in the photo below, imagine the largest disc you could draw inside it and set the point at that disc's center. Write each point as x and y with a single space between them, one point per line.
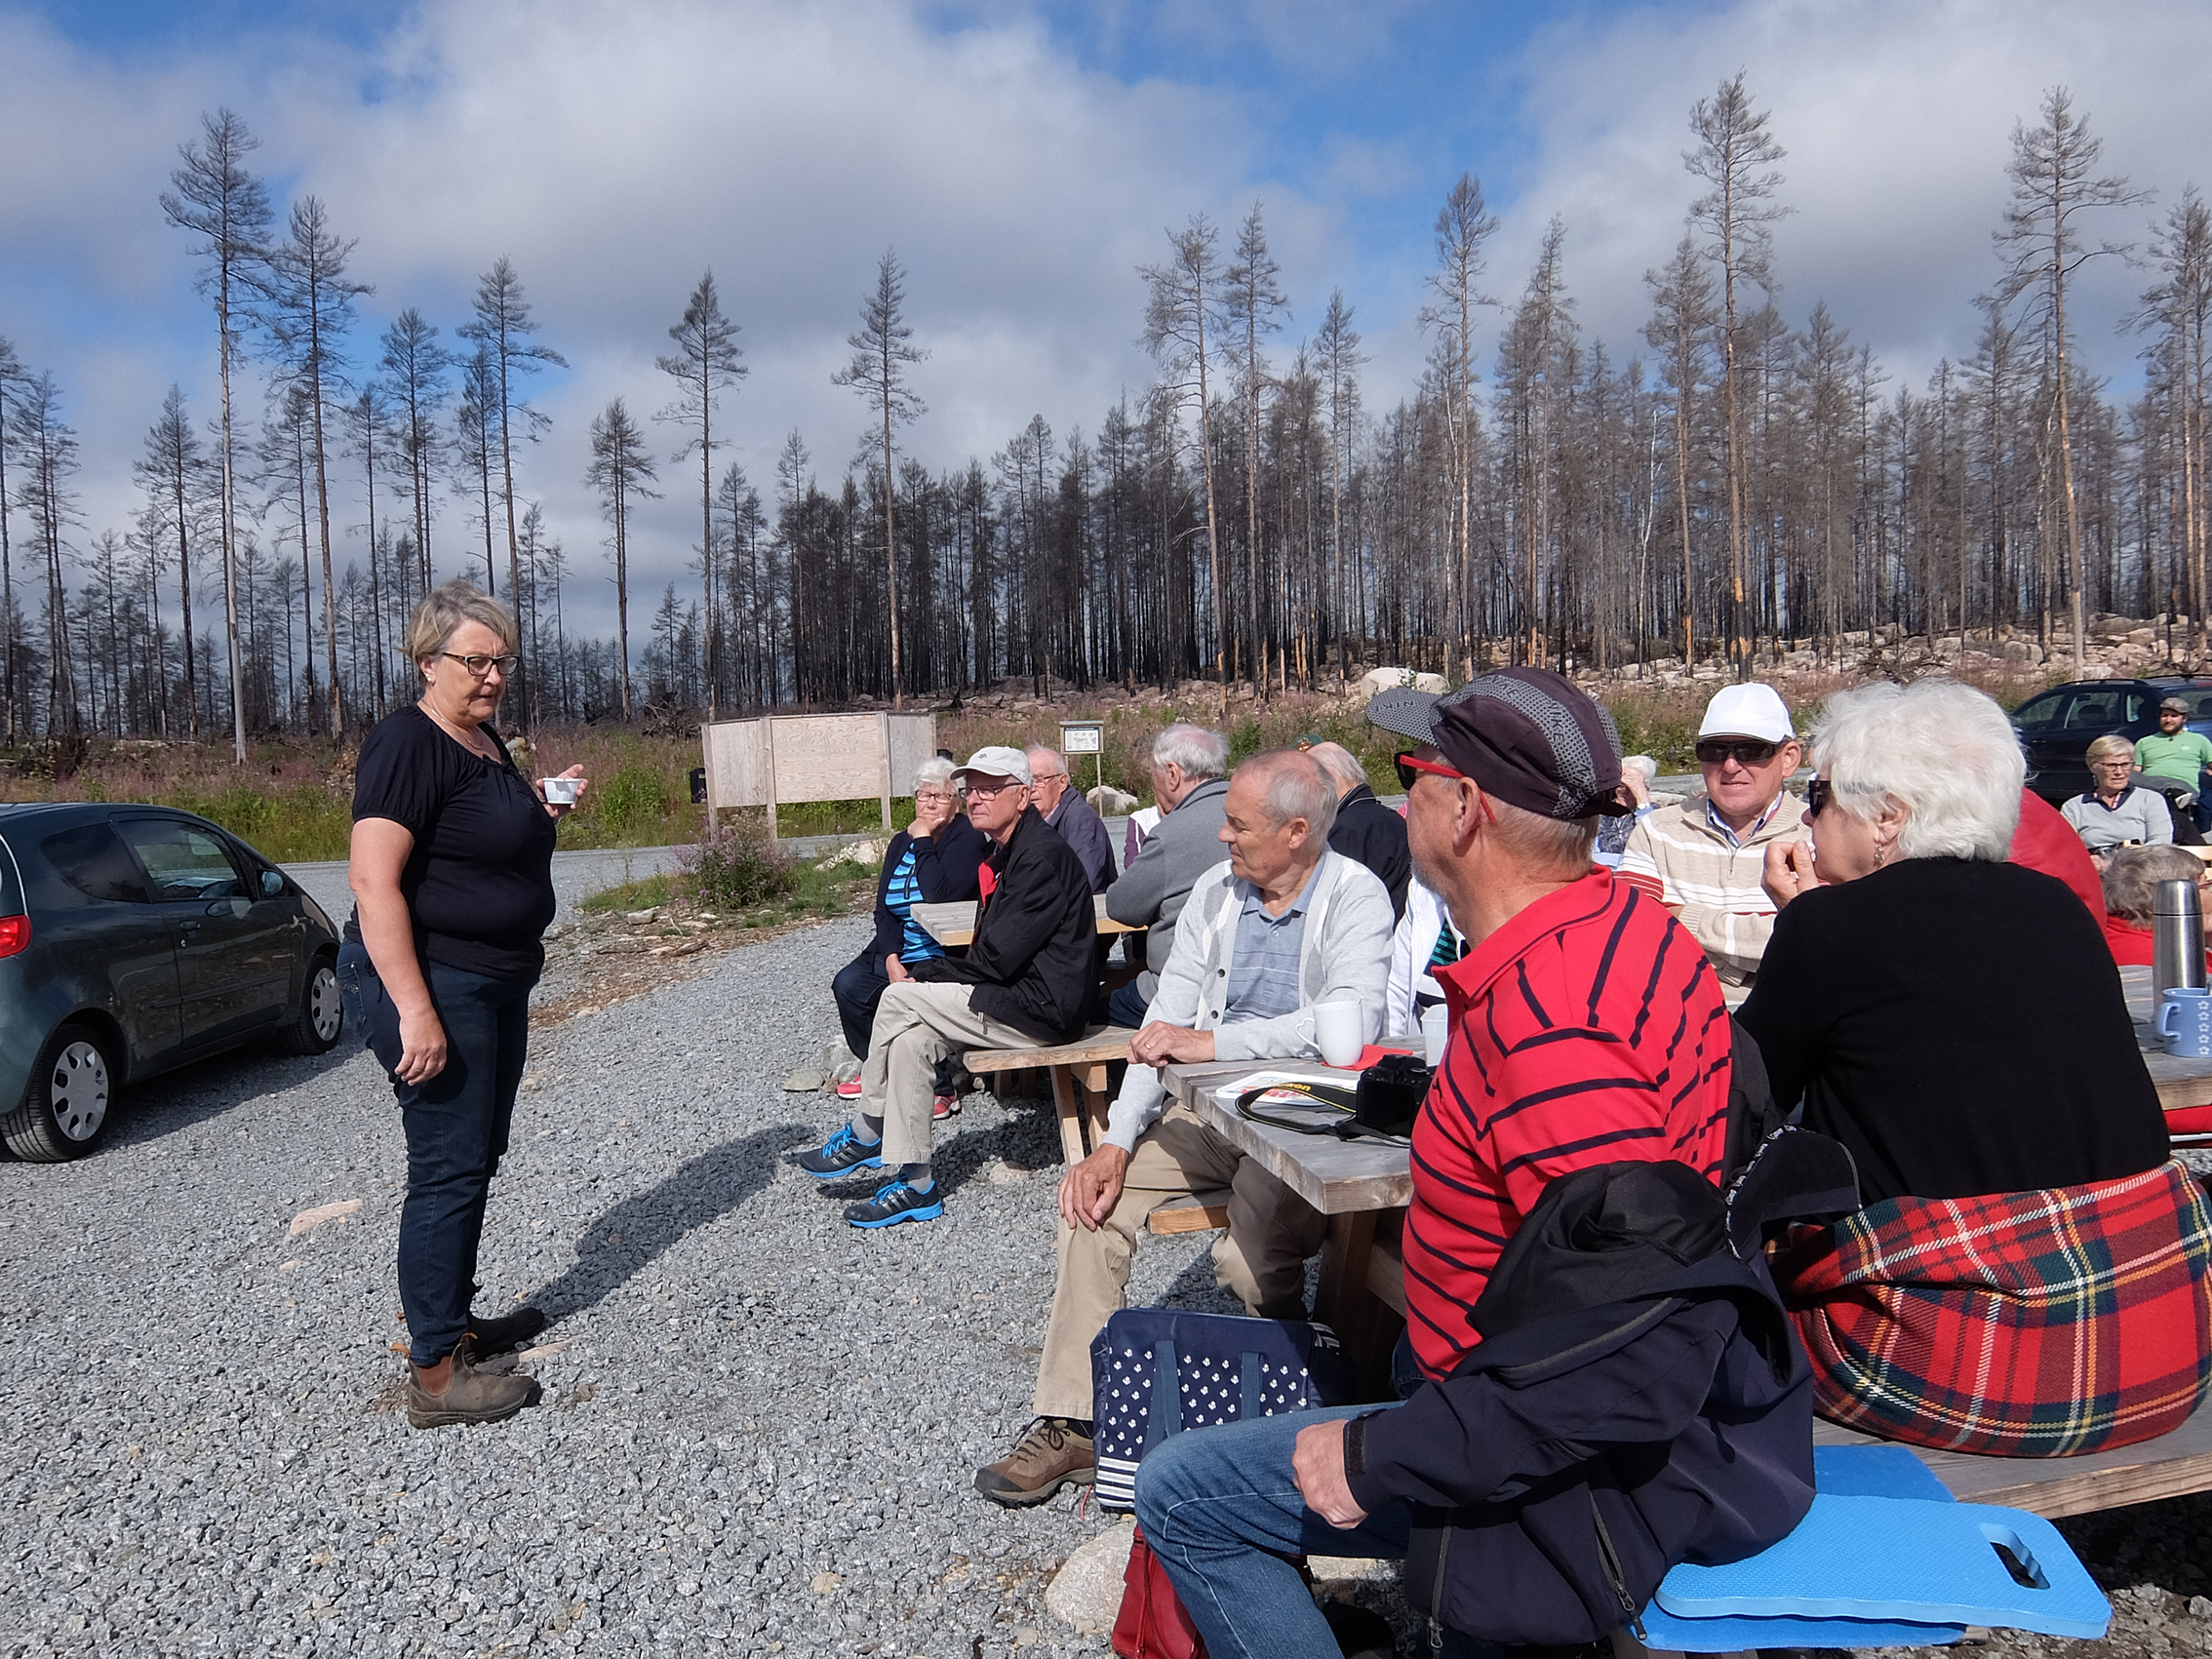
2178 306
1183 304
502 326
227 209
1464 228
620 470
311 308
1681 317
1735 156
1340 362
1255 308
2054 181
704 362
173 473
882 351
11 375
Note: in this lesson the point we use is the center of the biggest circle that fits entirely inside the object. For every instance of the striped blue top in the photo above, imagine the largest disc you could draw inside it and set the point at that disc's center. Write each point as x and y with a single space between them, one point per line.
1263 983
902 894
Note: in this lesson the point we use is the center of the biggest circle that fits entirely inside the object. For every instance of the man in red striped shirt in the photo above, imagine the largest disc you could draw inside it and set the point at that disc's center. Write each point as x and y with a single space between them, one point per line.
1587 1029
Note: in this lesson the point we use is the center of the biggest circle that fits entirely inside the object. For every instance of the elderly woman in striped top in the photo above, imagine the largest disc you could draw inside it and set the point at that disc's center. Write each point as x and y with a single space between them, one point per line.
933 860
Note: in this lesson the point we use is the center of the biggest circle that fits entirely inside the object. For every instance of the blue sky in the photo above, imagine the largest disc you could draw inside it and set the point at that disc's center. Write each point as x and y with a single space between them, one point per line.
1024 156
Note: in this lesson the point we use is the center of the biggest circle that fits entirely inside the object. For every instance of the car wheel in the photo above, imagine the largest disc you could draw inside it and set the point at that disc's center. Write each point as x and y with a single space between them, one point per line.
321 1016
65 1110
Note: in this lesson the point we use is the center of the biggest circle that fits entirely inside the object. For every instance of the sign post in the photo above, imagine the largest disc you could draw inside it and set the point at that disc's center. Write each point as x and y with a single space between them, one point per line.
1085 738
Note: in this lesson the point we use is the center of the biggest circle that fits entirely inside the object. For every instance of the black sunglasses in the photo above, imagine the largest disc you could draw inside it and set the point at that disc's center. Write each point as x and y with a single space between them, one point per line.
1818 793
1411 766
1744 751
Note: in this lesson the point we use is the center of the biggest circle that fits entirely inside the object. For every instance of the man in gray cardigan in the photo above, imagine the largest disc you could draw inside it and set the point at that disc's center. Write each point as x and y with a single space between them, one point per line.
1283 925
1188 782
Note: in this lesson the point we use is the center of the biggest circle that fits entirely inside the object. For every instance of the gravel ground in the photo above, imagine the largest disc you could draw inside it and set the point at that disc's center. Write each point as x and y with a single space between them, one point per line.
759 1427
745 1396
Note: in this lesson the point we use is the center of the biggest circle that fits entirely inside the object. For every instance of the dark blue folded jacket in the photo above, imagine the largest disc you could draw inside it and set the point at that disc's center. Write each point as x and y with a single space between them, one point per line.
1638 1399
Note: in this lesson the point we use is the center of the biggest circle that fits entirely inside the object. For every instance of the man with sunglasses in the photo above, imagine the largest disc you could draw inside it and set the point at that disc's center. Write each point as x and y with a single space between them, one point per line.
1705 858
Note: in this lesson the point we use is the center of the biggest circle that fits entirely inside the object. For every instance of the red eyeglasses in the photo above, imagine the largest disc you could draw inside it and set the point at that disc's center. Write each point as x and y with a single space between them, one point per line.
1410 766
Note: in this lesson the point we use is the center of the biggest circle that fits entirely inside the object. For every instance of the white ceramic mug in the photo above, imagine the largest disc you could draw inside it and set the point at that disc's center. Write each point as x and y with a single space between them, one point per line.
561 791
1336 1032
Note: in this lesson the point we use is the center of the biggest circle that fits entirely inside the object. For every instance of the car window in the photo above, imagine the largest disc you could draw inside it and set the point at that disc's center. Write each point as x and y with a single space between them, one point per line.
93 860
184 862
2096 711
2039 711
2138 706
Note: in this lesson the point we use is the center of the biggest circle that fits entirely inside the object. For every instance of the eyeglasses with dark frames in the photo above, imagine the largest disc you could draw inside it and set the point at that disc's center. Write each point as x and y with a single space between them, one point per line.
1411 766
479 666
1818 793
1744 751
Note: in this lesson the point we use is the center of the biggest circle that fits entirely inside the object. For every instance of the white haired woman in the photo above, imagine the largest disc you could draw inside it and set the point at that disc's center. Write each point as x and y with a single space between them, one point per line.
2114 811
1956 1022
933 860
452 871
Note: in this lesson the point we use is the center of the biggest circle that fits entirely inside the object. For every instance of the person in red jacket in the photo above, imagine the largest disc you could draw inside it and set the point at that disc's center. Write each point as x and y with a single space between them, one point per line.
1587 1028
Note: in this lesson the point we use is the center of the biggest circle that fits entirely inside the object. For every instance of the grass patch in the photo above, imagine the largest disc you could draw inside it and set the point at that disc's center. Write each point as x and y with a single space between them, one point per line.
647 894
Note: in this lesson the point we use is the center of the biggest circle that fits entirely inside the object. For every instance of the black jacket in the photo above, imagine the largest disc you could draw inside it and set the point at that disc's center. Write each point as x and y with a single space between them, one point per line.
1031 961
1369 833
1638 1399
944 869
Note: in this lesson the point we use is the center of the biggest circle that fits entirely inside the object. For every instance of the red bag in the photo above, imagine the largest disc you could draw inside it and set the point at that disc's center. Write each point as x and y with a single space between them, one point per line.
1151 1623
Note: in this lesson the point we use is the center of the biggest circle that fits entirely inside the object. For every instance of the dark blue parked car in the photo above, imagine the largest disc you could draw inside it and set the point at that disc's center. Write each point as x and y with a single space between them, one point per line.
133 939
2057 726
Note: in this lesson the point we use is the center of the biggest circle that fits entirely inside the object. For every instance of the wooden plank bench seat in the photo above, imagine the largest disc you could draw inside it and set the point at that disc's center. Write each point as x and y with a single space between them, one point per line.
1079 1079
1200 1212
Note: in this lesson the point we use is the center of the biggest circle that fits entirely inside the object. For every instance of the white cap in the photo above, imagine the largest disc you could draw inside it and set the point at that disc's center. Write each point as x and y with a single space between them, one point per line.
997 761
1750 710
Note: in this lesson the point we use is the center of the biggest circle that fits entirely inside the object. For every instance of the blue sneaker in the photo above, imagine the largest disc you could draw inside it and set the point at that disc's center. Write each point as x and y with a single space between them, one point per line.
895 1204
842 1152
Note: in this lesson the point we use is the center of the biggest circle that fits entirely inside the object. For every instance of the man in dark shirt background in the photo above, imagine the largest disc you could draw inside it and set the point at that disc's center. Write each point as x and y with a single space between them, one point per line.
1067 812
1367 830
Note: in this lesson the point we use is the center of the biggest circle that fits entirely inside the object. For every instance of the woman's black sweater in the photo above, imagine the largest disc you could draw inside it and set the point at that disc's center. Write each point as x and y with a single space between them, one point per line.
1959 1026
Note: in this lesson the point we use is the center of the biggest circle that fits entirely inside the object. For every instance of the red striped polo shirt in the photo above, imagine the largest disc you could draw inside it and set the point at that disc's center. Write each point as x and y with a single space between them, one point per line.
1589 1029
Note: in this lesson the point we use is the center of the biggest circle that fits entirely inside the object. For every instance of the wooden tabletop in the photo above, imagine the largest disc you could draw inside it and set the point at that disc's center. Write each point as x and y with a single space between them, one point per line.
954 923
2181 1081
1335 1177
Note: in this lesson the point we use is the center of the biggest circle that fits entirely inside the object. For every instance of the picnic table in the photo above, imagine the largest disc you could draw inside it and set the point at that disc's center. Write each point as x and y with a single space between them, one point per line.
2183 1083
954 923
1362 1186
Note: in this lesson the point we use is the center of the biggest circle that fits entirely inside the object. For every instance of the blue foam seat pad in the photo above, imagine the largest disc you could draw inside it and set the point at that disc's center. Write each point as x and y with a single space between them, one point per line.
1875 1472
1901 1560
1662 1633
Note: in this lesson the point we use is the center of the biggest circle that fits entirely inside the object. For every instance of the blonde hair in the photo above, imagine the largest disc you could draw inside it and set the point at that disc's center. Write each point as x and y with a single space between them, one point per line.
2111 746
446 606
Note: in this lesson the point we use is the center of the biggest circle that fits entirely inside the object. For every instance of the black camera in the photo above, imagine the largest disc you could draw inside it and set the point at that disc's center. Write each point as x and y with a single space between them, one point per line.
1390 1094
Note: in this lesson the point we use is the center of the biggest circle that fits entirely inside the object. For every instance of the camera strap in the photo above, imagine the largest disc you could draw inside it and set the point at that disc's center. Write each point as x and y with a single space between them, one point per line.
1331 1096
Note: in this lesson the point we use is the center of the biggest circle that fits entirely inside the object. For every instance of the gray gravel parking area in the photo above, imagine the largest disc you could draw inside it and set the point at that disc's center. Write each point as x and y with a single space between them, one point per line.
759 1426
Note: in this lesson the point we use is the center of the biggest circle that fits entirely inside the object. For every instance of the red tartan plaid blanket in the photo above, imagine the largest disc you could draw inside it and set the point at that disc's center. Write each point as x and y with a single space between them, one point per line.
2023 1324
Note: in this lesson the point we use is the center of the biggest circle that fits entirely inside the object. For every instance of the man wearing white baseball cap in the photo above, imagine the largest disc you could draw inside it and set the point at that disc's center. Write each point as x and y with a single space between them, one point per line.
1027 981
1704 858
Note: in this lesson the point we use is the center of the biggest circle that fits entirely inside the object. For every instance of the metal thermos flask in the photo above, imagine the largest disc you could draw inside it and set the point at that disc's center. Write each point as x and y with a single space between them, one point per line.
2177 942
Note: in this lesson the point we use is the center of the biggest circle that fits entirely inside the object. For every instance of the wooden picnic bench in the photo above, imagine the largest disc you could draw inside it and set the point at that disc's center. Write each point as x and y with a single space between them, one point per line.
954 923
1079 1079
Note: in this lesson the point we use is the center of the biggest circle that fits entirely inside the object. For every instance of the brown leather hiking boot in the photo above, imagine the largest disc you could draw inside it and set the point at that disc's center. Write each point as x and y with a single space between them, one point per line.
1048 1455
471 1397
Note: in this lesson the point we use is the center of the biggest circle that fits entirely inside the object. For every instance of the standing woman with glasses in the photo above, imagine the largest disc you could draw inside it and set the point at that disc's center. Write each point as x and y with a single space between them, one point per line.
452 872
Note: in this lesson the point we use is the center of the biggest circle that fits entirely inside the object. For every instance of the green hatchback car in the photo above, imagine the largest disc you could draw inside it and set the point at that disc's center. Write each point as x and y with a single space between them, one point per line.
138 938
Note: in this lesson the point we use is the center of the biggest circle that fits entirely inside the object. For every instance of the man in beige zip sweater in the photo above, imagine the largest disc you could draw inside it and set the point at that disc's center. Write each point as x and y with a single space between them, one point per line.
1704 860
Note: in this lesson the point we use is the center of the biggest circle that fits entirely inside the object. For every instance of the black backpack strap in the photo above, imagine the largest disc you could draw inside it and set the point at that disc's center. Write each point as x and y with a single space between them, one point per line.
1753 1115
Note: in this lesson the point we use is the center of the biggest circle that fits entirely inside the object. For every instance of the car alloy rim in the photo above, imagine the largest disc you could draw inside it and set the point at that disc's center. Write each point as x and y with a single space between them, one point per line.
324 1007
78 1093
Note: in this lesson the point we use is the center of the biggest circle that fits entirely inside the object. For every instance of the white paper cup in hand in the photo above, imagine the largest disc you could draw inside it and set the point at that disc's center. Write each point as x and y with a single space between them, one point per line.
1336 1032
1435 1032
561 791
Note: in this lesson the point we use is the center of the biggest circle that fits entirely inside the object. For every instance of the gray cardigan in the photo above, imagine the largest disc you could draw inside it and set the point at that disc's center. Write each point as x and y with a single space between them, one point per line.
1185 843
1344 956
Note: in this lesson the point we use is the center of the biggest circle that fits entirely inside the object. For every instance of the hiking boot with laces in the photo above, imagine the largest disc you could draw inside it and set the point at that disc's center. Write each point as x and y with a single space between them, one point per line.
842 1152
1052 1453
471 1395
896 1201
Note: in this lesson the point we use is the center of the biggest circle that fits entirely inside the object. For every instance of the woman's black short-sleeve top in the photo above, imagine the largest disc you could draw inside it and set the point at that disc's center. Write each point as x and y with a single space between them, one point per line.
479 879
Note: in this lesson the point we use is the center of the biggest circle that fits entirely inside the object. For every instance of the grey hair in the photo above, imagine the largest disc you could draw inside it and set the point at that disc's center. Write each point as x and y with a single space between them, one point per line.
1548 845
1294 787
1943 751
1644 764
1200 753
937 770
2111 746
446 606
2133 873
1341 764
1038 751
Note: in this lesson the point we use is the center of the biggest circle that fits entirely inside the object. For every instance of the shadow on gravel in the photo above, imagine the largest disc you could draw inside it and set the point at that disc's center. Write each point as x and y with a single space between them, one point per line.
207 1088
1029 1140
641 1228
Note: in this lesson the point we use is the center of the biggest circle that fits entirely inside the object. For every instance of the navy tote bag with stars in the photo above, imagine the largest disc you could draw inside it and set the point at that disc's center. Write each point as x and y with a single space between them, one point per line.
1155 1373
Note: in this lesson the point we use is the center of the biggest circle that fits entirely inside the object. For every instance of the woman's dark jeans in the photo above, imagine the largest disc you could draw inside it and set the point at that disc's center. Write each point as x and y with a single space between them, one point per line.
457 1131
859 987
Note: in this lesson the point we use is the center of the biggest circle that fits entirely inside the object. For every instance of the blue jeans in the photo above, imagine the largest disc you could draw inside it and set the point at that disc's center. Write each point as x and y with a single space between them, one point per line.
457 1131
1221 1509
1127 1006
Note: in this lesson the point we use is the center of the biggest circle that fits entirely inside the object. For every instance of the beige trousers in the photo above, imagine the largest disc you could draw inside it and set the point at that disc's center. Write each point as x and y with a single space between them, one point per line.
918 1025
1261 1258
